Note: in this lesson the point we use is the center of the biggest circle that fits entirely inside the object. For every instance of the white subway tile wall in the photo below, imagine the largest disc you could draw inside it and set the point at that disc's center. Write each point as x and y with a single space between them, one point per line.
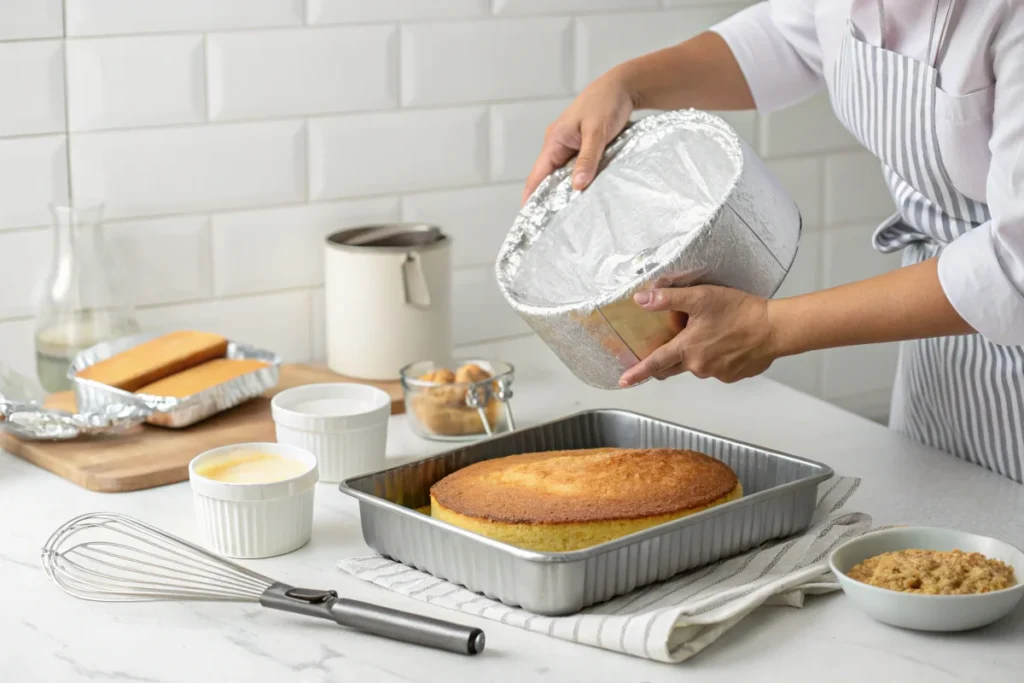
23 19
480 311
147 172
32 83
127 82
477 218
33 173
268 250
602 41
302 71
318 343
17 345
166 260
111 17
441 62
340 11
855 189
18 274
379 153
228 137
517 135
513 7
280 321
806 128
802 179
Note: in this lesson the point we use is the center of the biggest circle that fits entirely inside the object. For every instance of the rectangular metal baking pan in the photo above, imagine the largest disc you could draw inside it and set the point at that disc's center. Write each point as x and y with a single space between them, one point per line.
91 395
780 493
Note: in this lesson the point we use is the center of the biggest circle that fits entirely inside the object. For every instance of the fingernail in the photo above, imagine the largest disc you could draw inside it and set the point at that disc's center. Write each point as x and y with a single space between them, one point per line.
623 383
579 180
643 298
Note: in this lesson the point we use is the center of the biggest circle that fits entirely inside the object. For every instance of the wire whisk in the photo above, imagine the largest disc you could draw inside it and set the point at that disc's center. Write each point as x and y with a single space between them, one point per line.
93 557
110 557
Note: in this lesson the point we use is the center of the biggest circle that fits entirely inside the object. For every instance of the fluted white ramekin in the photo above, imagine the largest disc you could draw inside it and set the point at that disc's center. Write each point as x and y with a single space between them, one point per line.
344 425
255 520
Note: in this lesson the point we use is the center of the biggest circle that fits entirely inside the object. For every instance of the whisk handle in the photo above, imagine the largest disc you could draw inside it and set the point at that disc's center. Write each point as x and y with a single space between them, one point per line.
407 627
381 621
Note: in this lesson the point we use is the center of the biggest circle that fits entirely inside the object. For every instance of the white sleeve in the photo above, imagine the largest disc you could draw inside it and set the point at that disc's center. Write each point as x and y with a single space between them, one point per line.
776 45
982 272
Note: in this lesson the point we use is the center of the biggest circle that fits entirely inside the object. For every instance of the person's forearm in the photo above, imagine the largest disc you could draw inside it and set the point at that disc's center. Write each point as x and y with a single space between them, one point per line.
700 73
907 303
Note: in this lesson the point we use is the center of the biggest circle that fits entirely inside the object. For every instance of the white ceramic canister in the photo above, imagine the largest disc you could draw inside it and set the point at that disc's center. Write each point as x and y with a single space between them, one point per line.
255 520
387 291
345 425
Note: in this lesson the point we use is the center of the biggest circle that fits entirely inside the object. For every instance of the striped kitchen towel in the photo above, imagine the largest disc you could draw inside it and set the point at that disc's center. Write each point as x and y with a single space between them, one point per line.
673 620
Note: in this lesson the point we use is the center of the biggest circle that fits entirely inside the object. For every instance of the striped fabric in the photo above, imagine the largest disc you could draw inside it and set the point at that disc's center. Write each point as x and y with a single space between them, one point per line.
963 395
674 620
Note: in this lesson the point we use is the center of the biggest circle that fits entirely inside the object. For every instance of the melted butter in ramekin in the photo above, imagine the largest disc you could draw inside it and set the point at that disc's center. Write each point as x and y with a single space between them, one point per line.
250 467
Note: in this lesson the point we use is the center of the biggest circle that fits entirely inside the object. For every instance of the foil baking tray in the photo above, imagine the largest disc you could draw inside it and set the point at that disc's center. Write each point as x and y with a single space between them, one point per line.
780 492
93 396
680 200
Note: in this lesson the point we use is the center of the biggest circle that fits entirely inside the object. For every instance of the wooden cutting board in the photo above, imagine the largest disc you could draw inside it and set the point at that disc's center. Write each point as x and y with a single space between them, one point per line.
154 456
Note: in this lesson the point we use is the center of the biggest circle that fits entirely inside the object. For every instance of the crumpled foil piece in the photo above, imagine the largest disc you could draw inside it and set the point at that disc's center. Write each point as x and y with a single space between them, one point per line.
680 200
22 414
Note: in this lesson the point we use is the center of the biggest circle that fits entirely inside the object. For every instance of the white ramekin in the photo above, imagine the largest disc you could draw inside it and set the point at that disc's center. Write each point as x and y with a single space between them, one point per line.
255 520
344 425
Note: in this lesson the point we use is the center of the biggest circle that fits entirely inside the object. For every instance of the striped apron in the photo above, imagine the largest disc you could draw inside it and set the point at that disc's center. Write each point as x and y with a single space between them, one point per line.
963 395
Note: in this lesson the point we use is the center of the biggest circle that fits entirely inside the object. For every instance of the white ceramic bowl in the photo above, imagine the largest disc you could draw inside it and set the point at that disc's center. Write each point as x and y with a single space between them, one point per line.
344 425
928 612
255 520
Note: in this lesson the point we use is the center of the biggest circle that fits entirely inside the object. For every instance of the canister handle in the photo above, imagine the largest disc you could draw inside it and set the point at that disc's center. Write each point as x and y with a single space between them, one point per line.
417 293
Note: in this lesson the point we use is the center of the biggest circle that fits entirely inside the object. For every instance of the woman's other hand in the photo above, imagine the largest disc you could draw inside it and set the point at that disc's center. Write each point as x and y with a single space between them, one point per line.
584 129
728 335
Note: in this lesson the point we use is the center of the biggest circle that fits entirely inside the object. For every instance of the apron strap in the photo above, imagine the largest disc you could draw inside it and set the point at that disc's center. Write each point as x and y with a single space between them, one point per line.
881 25
937 35
935 47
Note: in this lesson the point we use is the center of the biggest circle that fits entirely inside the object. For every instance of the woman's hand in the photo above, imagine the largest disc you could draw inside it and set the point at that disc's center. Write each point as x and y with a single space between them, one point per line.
728 335
596 116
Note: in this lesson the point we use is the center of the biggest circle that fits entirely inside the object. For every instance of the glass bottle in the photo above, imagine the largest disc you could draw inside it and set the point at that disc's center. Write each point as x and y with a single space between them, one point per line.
84 300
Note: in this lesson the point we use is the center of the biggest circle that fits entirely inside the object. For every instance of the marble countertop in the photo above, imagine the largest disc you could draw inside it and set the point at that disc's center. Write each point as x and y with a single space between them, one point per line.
49 636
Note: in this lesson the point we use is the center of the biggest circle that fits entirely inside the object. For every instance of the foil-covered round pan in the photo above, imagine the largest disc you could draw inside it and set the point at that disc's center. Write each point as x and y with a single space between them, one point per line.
680 200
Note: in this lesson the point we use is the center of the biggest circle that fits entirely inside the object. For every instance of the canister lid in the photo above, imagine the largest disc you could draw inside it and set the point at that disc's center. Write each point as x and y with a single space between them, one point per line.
390 237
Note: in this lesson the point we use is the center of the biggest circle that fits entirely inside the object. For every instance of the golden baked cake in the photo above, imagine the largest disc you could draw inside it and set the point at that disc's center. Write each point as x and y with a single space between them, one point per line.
557 501
155 359
442 409
203 376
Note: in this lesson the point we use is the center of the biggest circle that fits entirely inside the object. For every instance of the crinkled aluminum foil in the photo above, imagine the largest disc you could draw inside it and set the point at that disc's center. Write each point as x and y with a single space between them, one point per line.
93 396
680 200
22 414
33 423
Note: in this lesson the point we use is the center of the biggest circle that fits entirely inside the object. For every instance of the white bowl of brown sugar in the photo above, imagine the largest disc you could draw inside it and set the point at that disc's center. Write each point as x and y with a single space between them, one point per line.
930 579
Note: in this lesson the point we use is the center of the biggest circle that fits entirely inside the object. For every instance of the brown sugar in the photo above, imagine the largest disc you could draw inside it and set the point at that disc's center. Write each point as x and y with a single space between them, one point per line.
934 572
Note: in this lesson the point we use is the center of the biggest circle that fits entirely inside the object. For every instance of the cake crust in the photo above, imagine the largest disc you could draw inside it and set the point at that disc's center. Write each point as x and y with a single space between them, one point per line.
586 485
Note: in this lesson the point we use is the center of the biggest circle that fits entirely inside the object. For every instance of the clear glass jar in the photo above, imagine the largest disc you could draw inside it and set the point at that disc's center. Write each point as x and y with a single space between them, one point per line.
458 405
85 298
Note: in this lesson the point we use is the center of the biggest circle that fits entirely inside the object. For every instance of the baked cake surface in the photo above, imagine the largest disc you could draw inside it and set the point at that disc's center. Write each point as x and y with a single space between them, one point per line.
566 500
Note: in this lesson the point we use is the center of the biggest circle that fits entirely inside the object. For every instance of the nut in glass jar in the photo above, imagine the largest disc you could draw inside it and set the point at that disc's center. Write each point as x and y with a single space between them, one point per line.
469 402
